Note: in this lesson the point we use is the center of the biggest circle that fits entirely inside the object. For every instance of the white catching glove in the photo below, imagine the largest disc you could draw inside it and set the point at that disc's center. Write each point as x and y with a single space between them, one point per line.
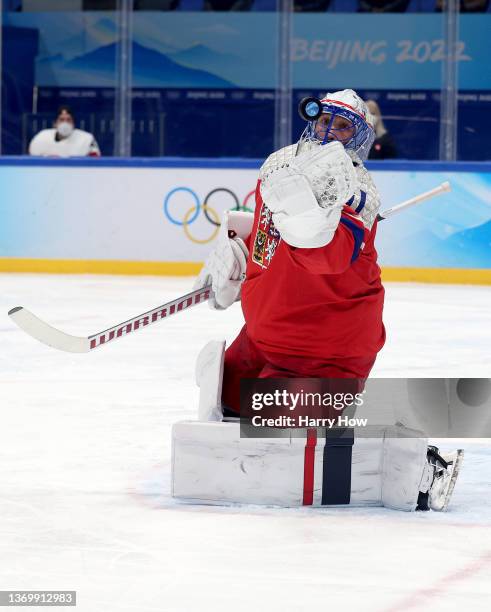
225 266
307 193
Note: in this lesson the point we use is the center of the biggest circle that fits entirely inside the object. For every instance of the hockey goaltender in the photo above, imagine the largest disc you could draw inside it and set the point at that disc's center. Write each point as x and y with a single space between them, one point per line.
304 266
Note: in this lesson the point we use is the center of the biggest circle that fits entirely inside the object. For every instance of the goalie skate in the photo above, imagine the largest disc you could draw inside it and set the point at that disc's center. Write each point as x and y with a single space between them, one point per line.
445 469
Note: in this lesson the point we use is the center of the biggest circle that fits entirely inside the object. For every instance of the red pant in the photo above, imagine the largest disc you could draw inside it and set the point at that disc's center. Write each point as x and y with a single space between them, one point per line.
244 360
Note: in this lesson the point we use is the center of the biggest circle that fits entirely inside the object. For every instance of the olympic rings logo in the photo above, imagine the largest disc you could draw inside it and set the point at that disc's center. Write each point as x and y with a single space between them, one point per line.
211 215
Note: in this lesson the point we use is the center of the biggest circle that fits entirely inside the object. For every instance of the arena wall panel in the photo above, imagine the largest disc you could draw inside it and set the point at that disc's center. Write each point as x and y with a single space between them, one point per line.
161 216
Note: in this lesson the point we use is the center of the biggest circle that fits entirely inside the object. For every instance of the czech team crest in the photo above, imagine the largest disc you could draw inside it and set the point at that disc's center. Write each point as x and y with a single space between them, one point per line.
266 240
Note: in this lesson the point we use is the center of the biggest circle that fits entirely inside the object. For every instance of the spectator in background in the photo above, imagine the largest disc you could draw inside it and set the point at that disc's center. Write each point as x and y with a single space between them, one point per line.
228 5
466 6
383 6
311 6
64 140
383 146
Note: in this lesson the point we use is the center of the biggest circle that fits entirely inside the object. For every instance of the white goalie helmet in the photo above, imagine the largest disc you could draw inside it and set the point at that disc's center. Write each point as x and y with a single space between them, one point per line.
341 116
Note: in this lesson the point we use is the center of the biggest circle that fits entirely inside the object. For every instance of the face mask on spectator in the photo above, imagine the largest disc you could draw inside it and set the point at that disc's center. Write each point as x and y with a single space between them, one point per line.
64 128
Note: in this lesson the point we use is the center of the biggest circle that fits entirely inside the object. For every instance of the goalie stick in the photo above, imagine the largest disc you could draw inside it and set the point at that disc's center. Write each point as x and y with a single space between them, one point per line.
58 339
444 187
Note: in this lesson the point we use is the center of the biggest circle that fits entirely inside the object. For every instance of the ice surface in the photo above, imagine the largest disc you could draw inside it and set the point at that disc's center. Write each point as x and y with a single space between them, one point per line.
84 468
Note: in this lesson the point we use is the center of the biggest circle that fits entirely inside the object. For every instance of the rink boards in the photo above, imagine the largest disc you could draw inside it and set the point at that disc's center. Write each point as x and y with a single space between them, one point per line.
157 216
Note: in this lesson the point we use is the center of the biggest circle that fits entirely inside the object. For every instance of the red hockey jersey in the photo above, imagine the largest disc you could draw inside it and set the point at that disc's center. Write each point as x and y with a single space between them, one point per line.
323 302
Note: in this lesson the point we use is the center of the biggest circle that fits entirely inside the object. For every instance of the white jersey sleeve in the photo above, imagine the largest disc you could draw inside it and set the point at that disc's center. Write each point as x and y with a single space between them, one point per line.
41 142
78 144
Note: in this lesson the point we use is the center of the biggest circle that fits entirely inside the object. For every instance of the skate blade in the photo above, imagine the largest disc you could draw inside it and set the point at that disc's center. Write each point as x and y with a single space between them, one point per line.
457 465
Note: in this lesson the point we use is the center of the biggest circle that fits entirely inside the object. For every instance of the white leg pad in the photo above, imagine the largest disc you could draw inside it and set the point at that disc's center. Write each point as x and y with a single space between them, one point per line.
403 465
212 464
209 378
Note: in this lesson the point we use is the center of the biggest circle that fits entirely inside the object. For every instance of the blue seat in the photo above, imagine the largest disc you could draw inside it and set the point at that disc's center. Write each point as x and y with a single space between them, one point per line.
190 5
426 6
343 6
264 5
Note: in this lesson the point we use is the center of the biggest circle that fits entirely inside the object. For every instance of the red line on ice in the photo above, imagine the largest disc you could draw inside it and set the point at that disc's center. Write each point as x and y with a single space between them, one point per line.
421 597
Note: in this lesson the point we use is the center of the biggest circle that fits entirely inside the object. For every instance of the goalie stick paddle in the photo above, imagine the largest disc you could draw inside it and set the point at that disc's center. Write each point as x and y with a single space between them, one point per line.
57 339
